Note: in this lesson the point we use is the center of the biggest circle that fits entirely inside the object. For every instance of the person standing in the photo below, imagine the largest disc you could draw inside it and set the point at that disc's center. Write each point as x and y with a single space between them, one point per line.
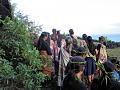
83 41
71 42
74 71
90 68
43 45
45 54
74 39
101 51
54 35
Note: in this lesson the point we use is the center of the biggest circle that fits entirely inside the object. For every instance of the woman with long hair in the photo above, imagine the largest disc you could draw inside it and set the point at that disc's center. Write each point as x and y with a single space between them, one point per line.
101 50
43 45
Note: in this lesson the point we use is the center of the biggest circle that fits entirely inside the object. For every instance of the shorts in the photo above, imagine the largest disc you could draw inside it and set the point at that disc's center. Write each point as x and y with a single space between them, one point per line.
90 67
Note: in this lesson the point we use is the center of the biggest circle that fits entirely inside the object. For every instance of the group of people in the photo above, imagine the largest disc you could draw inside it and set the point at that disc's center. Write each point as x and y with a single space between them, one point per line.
88 65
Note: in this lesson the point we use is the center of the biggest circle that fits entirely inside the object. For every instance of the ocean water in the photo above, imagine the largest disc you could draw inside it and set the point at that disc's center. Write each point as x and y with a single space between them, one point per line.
112 37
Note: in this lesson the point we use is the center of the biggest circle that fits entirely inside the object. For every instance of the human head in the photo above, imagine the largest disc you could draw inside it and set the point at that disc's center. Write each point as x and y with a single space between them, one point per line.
44 35
77 64
54 31
71 31
89 39
102 39
109 66
81 51
58 32
84 36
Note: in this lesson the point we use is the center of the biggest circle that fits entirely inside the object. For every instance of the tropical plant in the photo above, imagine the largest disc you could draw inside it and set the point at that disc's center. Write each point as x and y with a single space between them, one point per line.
106 75
20 63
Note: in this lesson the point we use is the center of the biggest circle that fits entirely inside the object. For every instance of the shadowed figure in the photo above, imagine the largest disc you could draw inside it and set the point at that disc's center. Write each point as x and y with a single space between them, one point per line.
74 72
5 10
106 81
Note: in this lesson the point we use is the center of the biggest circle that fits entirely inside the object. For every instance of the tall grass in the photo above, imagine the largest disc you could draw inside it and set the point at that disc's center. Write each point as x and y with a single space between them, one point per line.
114 52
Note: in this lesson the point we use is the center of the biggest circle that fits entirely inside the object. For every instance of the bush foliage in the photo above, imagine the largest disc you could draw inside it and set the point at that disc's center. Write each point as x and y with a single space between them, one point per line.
20 63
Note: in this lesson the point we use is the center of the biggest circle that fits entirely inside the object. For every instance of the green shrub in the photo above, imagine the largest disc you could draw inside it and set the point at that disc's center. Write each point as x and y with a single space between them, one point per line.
6 72
19 60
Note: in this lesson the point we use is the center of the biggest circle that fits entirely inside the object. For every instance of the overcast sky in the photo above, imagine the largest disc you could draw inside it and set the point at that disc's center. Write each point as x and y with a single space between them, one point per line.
84 16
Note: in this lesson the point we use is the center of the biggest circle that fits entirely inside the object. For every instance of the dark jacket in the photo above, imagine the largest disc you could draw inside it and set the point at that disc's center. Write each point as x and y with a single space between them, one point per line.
71 83
100 84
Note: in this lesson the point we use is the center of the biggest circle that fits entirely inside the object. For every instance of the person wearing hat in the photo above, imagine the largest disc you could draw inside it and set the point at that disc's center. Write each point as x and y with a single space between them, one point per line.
106 81
73 80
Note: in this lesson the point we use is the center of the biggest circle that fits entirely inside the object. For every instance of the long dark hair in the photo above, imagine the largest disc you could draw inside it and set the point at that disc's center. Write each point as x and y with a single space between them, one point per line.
91 45
42 36
98 55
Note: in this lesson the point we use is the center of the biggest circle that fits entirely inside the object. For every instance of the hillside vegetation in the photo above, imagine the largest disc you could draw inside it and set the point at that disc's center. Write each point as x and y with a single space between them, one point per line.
114 52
